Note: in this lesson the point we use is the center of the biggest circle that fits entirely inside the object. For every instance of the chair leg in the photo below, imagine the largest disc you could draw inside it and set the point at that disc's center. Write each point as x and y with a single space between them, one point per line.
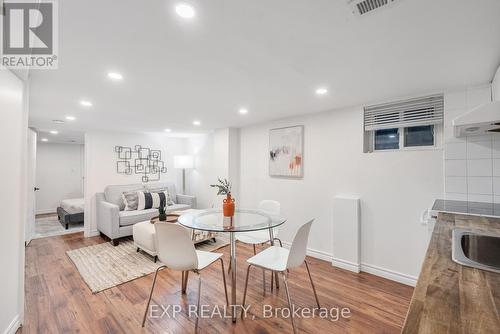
224 279
198 307
289 301
263 273
279 240
245 291
312 284
150 295
185 281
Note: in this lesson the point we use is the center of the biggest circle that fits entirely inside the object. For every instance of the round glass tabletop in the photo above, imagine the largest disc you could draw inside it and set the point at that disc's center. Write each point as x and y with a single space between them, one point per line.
243 221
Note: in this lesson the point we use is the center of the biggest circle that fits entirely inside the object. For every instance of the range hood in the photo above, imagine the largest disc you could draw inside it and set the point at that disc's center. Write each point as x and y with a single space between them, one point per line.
483 119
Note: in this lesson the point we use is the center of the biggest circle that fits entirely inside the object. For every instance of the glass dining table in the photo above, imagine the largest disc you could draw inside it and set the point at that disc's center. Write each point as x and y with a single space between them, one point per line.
243 221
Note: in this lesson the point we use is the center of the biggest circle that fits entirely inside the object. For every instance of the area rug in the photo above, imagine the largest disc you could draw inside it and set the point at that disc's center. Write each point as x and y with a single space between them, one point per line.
104 266
49 226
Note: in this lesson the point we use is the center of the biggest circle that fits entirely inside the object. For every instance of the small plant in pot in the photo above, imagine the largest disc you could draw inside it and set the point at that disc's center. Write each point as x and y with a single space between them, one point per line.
224 189
162 214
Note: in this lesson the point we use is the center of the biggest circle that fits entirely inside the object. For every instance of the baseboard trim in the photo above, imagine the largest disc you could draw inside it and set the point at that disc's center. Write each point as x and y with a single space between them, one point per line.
44 212
14 325
347 265
389 274
313 253
365 267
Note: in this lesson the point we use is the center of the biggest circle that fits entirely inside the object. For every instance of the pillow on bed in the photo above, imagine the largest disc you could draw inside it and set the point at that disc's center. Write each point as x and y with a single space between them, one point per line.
131 200
152 200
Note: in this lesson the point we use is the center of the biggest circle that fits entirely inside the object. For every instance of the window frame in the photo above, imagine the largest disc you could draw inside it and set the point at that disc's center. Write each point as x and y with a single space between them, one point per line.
402 147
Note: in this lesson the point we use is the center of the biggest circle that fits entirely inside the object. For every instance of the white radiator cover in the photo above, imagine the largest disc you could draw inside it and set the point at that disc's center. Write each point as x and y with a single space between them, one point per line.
346 233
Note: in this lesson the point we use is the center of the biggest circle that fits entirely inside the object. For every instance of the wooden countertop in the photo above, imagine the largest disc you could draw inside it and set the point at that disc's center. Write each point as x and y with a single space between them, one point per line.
450 298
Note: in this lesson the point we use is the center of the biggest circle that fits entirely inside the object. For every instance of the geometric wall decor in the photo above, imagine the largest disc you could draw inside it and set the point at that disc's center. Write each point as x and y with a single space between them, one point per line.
140 160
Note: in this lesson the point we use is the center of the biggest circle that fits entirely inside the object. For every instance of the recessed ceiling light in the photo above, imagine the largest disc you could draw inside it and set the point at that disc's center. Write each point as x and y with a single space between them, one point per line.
196 123
70 118
86 103
185 11
321 91
54 132
243 111
45 139
115 76
58 121
168 130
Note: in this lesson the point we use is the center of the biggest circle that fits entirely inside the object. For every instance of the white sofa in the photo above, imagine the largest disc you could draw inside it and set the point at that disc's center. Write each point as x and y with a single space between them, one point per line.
116 223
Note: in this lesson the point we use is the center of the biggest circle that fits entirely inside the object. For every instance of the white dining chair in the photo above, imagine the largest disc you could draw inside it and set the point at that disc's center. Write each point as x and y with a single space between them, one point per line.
280 260
262 236
176 251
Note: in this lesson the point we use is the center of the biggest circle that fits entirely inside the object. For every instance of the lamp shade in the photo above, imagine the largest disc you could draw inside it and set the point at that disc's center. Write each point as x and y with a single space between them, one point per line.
183 161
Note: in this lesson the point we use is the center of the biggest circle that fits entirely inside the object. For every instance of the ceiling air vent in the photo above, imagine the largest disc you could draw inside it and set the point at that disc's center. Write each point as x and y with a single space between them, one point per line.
362 7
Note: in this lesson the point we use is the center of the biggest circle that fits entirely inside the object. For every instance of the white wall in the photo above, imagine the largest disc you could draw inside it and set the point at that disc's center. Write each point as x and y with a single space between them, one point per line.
13 135
472 164
59 174
216 155
100 164
394 187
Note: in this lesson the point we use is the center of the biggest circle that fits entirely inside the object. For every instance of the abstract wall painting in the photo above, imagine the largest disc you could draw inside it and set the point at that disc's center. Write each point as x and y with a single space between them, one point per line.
286 152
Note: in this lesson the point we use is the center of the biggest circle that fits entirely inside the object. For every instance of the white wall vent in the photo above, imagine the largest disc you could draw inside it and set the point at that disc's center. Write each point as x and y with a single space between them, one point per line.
361 7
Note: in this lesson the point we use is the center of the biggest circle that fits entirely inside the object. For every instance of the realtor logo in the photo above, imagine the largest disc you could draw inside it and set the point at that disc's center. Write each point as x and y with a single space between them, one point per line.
29 34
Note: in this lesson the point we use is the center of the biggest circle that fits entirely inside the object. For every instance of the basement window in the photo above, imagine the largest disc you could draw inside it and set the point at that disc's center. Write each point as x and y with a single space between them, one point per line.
403 125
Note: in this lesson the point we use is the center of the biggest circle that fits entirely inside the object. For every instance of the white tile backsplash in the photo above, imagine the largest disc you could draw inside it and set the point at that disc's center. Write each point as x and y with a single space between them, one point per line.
455 167
456 197
456 184
480 198
479 167
496 185
480 185
496 167
455 150
472 164
479 150
496 147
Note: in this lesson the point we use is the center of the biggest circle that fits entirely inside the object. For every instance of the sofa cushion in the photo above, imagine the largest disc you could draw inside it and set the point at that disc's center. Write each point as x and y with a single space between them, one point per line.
131 217
113 194
177 207
160 186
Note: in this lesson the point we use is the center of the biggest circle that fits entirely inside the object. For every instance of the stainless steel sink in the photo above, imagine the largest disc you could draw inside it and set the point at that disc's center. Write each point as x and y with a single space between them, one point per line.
476 249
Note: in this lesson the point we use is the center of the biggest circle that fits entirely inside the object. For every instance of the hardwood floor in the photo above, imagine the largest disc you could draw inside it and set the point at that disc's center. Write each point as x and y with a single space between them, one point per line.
58 301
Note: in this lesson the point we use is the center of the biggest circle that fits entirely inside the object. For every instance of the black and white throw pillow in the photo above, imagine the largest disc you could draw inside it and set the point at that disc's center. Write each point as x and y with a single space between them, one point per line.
130 199
152 200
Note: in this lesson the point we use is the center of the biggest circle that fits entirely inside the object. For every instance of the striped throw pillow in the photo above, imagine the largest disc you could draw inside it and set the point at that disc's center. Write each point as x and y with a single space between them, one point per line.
152 200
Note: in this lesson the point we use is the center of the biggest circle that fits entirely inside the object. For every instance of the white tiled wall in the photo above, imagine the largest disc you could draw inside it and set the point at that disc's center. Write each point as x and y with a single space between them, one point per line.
472 164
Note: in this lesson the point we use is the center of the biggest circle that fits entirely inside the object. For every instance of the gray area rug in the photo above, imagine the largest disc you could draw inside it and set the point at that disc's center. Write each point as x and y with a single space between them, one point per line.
104 266
49 226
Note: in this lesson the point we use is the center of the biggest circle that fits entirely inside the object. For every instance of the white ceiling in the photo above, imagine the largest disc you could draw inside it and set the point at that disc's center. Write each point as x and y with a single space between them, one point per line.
268 56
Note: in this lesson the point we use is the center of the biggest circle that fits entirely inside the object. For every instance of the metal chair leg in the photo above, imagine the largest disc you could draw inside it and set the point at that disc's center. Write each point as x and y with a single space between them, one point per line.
224 279
151 295
245 291
289 301
279 240
185 281
312 284
263 273
198 307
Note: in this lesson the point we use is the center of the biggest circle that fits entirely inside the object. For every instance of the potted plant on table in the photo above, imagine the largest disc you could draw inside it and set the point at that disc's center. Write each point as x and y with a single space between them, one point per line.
224 188
162 214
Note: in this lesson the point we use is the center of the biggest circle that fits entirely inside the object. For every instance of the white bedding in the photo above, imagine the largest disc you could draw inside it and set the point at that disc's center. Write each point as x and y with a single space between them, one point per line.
74 205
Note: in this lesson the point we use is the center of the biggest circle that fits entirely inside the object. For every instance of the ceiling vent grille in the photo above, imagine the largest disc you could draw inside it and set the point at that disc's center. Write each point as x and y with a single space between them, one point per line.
365 6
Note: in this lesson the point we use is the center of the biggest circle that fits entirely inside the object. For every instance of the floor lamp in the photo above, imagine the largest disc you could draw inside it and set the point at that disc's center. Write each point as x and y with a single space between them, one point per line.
183 162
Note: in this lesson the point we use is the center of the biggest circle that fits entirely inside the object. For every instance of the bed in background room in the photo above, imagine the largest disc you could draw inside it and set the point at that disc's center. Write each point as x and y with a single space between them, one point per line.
71 211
